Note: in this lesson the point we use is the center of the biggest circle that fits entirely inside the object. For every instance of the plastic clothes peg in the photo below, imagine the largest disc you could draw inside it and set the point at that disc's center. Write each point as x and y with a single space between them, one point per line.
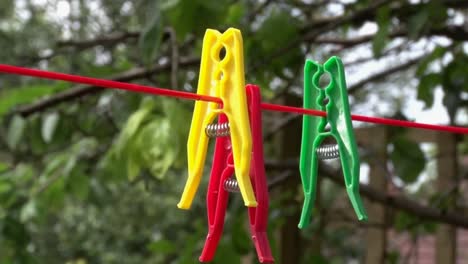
222 78
221 183
313 132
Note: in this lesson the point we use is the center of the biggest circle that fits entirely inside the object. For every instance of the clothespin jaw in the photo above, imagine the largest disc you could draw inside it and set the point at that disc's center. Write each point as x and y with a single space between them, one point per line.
313 133
258 216
223 78
217 196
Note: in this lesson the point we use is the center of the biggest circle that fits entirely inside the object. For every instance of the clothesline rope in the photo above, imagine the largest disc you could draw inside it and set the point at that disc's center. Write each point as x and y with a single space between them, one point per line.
10 69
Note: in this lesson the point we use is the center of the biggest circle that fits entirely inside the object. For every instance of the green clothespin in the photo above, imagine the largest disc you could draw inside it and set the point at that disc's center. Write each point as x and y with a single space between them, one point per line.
313 133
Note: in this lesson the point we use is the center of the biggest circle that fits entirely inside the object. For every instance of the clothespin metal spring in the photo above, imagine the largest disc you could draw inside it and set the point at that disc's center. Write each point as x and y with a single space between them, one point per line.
328 151
231 185
222 130
218 130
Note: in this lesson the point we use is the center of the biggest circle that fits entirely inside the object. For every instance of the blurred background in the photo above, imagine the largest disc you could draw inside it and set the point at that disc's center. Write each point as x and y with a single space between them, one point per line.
91 175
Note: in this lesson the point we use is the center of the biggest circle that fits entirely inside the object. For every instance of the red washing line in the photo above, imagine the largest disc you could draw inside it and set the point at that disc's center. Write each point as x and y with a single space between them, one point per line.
192 96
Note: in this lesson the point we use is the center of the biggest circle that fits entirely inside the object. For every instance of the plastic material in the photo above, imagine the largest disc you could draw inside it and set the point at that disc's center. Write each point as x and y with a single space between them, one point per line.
222 76
313 133
4 68
222 170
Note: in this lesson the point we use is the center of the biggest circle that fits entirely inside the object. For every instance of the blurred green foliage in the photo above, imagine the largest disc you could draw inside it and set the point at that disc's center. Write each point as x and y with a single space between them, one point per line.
96 179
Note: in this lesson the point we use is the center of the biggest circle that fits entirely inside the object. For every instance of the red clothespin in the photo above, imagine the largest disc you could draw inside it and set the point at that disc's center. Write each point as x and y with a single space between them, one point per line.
222 182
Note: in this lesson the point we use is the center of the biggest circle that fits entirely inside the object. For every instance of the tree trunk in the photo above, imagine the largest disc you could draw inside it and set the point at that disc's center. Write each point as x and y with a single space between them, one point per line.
290 142
446 242
377 236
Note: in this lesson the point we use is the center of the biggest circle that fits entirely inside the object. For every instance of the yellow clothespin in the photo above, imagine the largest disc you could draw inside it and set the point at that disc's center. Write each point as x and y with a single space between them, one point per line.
221 77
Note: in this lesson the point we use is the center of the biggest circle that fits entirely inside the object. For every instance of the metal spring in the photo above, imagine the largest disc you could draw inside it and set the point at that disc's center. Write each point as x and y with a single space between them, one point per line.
231 185
217 130
328 151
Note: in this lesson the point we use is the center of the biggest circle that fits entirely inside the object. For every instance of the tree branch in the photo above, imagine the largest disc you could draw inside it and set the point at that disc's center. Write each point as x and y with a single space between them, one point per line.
80 45
174 58
258 10
313 30
316 28
398 202
82 90
457 33
401 9
357 86
110 39
351 42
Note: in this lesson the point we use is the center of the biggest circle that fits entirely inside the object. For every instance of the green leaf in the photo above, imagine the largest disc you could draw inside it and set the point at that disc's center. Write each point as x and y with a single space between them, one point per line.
162 247
16 231
23 174
166 5
5 187
158 146
107 70
85 147
455 77
226 253
417 23
128 148
381 38
133 124
437 53
54 194
240 238
426 87
408 159
8 8
50 187
153 142
265 43
393 257
49 124
69 165
3 166
54 164
195 15
13 97
15 131
451 101
178 115
403 221
454 83
78 183
438 13
133 167
235 13
429 227
318 259
33 135
151 36
277 19
28 211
